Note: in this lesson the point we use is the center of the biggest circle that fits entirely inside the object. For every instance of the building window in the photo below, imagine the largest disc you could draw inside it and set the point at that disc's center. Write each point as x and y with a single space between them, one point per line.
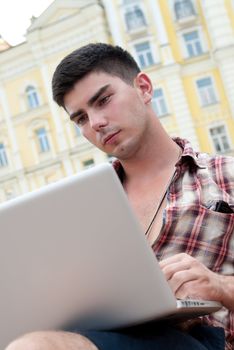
220 139
193 43
43 141
32 97
144 54
134 18
206 91
3 156
183 9
159 103
88 163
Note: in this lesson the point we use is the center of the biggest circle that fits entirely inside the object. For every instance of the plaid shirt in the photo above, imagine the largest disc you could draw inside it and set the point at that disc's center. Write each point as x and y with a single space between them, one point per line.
192 224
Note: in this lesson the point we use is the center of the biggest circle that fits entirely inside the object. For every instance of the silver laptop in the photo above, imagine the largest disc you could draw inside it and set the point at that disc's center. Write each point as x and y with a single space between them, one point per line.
75 250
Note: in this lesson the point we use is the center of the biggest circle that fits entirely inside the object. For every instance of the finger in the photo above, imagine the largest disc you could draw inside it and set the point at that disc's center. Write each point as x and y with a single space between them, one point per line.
181 278
174 259
190 290
170 269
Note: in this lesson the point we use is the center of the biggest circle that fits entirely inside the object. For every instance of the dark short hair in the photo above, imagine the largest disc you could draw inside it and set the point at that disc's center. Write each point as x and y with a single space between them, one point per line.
97 57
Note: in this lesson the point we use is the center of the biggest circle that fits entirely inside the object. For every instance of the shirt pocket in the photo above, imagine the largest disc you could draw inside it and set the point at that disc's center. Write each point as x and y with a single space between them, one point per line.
205 234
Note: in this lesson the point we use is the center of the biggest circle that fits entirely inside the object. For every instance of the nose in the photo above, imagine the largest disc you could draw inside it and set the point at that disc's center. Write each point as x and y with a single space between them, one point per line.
97 121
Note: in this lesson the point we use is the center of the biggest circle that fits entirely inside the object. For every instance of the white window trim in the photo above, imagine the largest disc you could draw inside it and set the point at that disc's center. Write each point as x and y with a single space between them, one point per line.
201 36
198 93
216 125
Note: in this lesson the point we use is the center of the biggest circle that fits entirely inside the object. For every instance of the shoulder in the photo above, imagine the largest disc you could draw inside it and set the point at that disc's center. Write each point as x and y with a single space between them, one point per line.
220 168
221 165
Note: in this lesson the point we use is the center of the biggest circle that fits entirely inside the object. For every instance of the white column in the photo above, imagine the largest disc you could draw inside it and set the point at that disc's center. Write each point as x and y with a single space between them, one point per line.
221 33
181 107
113 22
17 163
161 32
67 164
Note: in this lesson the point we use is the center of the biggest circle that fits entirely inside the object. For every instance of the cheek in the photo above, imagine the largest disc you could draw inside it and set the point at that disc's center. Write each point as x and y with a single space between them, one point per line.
87 133
91 136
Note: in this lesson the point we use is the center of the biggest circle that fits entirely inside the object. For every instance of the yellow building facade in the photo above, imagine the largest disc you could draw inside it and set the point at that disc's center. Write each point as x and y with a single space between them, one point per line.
186 46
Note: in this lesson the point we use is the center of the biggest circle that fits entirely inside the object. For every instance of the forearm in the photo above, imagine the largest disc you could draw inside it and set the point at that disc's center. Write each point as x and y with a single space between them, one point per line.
227 294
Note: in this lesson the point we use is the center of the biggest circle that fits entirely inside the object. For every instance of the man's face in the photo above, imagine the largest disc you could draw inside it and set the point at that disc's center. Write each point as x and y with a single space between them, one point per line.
110 113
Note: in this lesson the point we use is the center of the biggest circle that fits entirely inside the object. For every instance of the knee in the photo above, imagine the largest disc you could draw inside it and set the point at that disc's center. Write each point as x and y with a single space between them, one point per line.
33 341
51 341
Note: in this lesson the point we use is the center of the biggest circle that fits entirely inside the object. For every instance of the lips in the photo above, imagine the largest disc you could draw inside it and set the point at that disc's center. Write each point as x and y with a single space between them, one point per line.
109 138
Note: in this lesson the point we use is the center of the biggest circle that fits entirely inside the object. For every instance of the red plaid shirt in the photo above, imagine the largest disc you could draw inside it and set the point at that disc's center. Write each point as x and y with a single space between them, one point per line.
191 224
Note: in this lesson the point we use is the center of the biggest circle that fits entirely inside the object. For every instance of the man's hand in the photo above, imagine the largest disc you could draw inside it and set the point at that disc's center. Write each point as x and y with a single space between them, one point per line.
188 277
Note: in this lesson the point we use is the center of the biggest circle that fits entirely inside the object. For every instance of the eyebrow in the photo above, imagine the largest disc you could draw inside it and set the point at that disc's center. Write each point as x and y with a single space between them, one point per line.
97 94
91 101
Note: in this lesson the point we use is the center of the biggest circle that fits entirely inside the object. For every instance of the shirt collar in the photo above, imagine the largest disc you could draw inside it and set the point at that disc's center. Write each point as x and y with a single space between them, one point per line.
189 154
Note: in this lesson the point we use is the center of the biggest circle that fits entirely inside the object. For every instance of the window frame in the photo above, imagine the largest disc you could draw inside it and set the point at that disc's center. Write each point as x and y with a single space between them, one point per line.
144 54
135 23
213 85
202 40
36 124
32 96
184 17
43 140
129 7
194 47
226 134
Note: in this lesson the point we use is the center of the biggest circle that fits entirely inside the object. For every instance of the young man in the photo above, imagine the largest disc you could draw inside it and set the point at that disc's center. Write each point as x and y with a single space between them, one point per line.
184 200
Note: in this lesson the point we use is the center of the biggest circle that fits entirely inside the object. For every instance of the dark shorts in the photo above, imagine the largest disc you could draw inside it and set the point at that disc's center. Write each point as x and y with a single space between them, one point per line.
157 337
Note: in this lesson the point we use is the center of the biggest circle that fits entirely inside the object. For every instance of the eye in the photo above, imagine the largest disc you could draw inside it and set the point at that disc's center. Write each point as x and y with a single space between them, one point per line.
81 120
103 100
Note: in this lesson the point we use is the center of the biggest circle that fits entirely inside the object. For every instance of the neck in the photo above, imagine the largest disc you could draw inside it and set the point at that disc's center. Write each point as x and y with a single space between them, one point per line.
154 159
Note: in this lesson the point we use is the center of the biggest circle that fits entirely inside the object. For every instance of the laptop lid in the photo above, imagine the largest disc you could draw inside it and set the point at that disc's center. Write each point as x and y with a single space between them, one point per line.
74 249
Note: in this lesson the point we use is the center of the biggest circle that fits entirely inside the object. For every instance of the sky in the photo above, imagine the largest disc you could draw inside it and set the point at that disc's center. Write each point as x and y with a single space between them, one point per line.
15 17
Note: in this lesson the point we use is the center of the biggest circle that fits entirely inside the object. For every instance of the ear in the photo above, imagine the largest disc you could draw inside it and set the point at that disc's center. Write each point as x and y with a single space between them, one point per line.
143 84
